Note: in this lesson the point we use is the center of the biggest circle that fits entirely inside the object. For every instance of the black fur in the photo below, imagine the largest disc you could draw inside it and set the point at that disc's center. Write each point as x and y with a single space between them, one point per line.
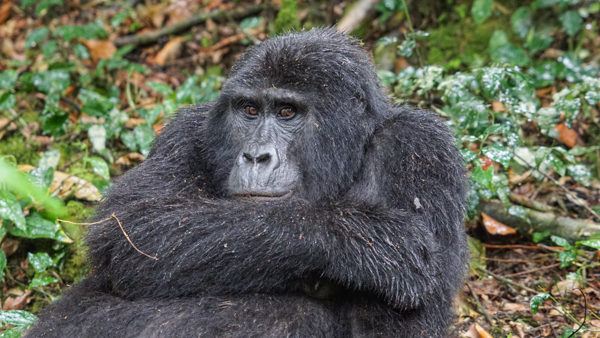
378 219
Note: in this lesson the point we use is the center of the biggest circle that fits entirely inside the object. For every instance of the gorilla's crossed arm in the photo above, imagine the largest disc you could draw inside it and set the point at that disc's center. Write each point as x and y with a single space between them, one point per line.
301 188
208 246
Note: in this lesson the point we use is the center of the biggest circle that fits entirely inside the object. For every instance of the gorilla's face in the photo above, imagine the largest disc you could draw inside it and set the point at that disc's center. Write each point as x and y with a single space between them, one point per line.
293 119
264 124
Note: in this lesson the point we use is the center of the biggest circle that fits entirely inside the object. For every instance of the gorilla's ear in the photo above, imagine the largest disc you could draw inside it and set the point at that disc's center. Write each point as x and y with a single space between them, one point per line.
183 130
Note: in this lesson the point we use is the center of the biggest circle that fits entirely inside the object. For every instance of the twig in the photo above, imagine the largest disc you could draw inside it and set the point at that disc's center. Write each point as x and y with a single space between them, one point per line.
584 314
355 15
530 203
575 199
483 311
143 39
507 281
522 246
112 216
526 272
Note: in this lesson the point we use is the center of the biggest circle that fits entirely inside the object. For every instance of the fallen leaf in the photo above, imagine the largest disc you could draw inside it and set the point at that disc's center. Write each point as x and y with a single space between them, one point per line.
129 159
5 10
100 49
169 52
498 106
566 135
65 185
482 332
17 299
515 307
494 227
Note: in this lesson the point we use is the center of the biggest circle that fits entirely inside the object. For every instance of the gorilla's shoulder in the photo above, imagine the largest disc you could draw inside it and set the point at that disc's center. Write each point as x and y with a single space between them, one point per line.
406 122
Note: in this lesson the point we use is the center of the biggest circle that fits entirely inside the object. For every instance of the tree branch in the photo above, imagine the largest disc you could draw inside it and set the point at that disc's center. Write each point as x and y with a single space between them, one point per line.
147 38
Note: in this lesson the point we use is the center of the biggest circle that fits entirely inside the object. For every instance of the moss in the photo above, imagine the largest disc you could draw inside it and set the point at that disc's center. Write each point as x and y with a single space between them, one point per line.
462 43
287 18
22 151
76 266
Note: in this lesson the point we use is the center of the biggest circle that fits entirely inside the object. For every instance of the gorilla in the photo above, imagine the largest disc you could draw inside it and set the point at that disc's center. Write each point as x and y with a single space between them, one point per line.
301 203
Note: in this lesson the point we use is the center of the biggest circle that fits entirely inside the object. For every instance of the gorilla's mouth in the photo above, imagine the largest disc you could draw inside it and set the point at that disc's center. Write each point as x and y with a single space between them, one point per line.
264 195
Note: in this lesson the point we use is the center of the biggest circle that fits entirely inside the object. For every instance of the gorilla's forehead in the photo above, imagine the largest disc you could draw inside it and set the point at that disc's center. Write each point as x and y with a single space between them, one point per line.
314 60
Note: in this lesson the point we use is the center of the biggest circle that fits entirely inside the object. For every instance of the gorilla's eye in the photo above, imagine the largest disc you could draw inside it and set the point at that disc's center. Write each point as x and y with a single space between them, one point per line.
250 110
287 112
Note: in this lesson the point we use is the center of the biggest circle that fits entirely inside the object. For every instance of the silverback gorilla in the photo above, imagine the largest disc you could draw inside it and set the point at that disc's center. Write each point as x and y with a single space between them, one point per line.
301 203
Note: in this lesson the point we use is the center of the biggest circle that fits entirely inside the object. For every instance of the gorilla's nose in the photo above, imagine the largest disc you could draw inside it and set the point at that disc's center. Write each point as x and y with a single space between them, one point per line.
260 154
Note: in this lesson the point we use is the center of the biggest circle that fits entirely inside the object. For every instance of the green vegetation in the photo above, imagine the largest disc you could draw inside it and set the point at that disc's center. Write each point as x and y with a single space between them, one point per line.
517 81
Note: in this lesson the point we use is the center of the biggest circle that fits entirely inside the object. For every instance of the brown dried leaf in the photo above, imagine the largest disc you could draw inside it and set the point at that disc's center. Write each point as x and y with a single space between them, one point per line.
494 227
482 332
566 135
498 106
515 307
100 49
169 52
65 185
5 10
130 159
17 301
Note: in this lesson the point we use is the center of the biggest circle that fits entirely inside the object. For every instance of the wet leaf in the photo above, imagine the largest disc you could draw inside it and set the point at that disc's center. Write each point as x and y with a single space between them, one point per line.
521 21
99 167
571 22
42 280
97 135
481 10
39 227
495 227
537 300
40 261
10 209
17 318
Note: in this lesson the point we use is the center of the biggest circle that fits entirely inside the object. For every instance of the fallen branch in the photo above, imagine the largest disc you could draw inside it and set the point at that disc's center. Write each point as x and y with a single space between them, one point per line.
144 39
538 221
355 15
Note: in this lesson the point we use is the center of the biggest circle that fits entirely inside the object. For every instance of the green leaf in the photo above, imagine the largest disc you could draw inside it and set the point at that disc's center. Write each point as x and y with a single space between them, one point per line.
580 173
36 36
407 47
39 227
17 318
521 21
566 258
560 241
571 22
537 300
97 135
10 209
52 81
42 280
99 167
540 236
161 88
44 5
498 153
481 10
40 261
12 333
7 101
592 243
89 31
18 182
8 79
502 51
2 264
144 135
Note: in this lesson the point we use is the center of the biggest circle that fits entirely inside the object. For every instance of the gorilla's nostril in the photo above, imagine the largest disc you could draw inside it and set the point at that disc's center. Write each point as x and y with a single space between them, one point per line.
263 158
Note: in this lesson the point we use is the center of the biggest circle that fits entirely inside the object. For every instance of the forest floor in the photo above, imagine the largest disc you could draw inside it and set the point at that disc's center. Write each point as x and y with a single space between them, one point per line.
80 102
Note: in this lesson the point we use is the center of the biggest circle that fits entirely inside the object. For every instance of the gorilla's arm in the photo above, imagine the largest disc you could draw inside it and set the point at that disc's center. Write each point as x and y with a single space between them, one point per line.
83 311
209 246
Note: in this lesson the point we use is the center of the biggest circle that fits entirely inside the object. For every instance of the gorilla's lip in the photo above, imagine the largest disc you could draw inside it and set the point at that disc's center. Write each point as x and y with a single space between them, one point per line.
263 195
